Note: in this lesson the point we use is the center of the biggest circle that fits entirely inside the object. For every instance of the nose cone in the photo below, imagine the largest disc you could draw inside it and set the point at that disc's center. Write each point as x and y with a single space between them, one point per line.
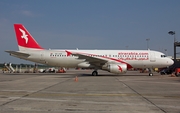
170 62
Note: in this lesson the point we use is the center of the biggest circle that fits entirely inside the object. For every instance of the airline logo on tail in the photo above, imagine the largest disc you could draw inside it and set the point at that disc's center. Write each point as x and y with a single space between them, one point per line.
24 35
24 38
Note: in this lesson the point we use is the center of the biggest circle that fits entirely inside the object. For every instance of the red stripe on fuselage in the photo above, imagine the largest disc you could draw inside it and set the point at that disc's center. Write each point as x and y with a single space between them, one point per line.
117 60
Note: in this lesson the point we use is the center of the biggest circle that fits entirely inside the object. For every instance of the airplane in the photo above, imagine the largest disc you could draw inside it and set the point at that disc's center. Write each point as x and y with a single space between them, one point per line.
113 61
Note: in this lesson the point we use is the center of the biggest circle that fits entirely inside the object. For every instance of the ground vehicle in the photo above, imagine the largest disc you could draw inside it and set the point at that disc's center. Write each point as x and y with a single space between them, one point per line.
166 71
4 69
49 70
177 71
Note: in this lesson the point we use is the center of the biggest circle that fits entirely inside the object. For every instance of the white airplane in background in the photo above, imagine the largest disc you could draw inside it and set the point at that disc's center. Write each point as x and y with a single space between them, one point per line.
114 61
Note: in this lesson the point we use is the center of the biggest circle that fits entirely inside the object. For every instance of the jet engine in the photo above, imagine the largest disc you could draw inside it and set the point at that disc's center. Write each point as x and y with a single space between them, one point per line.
117 68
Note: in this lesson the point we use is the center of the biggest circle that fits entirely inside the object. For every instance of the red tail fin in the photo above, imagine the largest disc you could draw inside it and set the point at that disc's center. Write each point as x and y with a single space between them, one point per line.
24 38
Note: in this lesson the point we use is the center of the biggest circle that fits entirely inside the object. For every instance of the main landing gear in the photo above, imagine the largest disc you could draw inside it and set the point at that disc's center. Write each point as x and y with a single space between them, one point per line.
94 73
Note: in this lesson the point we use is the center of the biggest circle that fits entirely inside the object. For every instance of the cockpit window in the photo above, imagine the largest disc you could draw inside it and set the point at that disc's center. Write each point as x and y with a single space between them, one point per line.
163 55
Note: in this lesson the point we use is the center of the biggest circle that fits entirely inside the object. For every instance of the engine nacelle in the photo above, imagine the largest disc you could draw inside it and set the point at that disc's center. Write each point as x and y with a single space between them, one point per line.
117 68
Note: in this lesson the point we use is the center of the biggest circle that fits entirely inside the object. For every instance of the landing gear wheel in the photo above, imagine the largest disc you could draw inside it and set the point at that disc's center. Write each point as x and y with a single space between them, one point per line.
94 73
150 74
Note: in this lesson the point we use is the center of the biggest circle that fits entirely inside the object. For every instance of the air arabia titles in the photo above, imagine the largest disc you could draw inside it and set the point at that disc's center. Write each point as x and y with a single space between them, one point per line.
133 55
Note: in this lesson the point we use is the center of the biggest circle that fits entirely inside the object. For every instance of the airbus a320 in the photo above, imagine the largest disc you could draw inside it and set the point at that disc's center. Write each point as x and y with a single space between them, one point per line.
113 61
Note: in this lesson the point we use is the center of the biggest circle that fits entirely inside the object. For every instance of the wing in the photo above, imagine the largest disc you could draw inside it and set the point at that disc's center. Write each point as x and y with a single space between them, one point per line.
18 54
96 61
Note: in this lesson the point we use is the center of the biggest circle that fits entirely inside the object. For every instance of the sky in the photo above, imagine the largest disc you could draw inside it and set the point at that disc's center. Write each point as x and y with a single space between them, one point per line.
91 24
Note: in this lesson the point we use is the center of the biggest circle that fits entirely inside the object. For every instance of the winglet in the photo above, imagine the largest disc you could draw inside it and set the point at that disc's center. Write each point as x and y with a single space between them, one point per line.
24 38
68 53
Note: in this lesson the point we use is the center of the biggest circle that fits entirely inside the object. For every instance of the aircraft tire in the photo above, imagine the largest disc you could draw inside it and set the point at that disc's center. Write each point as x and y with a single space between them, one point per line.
94 73
150 74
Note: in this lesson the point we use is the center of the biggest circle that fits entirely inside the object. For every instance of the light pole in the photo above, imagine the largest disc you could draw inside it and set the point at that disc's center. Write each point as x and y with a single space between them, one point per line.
147 43
173 33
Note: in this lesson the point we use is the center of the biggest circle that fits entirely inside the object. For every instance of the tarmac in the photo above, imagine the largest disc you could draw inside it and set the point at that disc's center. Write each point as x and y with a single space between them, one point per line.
78 92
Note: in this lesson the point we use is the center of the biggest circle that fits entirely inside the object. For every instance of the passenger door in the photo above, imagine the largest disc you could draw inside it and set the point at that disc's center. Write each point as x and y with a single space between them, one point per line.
152 56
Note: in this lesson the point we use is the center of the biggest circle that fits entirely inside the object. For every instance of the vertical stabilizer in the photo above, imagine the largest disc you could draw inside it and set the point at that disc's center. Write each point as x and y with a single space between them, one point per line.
24 39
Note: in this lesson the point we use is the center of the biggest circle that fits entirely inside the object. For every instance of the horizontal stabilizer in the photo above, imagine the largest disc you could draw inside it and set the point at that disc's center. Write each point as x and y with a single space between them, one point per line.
17 53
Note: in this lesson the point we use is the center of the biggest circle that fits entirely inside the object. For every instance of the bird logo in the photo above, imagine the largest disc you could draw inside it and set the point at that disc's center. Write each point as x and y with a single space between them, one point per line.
24 35
120 68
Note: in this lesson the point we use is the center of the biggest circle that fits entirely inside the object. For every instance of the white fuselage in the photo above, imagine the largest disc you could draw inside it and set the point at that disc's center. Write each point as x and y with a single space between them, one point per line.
113 61
134 58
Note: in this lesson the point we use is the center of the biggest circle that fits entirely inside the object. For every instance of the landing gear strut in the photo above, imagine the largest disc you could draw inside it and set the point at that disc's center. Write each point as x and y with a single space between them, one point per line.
94 73
150 72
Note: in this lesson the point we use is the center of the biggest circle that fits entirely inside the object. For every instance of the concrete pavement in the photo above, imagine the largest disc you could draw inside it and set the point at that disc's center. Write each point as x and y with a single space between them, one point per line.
133 92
